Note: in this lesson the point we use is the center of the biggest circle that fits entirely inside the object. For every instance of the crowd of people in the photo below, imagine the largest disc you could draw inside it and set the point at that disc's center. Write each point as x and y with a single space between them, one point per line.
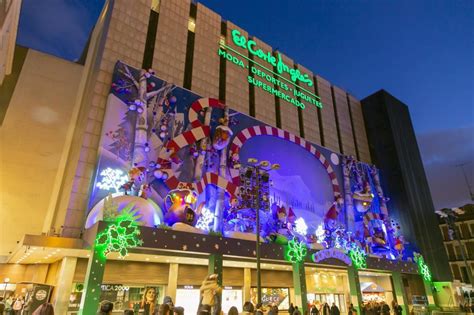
18 306
381 308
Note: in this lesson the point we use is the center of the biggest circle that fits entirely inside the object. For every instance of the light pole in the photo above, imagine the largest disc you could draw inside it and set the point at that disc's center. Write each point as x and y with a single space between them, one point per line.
6 280
450 215
257 181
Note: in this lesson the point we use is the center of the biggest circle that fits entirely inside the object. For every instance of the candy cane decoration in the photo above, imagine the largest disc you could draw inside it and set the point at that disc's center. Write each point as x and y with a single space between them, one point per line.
263 130
199 131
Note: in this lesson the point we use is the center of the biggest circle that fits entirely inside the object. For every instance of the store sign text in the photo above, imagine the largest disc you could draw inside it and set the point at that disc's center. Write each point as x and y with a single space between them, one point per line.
332 253
112 287
277 62
264 78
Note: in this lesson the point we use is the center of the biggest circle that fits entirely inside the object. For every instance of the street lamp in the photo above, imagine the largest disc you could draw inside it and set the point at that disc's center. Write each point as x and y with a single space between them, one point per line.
256 182
450 215
6 280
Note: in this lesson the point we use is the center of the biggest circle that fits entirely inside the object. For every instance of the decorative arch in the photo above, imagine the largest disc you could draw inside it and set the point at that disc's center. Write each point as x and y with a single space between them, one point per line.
264 130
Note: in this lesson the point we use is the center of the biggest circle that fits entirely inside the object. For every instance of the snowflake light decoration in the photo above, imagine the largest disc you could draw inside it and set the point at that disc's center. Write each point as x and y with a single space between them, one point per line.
358 257
112 179
301 227
206 218
295 251
120 235
320 234
423 268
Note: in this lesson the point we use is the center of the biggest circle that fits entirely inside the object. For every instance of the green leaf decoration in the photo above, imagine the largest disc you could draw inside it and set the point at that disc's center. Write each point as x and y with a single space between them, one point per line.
121 234
358 257
423 268
295 251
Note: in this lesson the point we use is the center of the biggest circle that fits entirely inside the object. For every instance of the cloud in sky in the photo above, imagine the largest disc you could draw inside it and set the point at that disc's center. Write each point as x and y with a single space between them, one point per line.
442 151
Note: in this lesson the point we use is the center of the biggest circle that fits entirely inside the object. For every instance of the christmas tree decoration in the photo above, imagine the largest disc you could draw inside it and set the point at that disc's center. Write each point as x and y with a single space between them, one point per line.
301 227
358 257
112 179
205 220
120 235
423 268
295 251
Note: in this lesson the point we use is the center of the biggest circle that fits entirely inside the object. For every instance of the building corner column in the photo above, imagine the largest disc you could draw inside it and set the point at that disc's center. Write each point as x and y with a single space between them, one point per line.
63 285
172 281
92 282
299 284
354 288
247 284
429 295
400 291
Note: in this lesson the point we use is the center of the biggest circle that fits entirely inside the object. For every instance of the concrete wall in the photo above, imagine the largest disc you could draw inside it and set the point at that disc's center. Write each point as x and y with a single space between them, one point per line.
31 141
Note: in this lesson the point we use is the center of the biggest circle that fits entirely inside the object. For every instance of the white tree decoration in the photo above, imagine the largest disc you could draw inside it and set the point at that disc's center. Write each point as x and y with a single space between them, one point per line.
301 227
206 218
320 234
112 179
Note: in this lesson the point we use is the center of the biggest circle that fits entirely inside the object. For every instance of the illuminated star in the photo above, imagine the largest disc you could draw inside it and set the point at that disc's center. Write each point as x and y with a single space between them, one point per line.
216 246
185 247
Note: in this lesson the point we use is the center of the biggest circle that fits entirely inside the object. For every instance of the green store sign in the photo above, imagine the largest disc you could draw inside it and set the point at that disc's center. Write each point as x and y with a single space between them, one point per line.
265 78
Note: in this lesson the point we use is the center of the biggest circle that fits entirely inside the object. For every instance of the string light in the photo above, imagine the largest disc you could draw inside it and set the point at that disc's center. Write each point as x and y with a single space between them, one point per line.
358 257
112 179
423 268
206 218
119 236
295 251
301 227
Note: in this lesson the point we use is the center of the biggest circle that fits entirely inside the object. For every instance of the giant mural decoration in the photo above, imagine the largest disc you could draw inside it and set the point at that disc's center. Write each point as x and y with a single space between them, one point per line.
190 164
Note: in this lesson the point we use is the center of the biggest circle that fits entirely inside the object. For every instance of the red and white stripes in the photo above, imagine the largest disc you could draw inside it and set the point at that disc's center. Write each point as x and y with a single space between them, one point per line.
263 130
189 137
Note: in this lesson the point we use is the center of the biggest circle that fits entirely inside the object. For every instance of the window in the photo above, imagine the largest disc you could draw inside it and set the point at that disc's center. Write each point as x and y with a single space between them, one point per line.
191 25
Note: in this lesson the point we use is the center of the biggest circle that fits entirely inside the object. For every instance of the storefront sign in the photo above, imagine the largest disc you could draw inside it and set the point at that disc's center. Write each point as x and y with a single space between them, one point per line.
332 253
266 79
114 287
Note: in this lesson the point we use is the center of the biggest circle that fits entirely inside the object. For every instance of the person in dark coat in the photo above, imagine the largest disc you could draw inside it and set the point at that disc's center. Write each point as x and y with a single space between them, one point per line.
352 310
397 309
314 310
385 309
291 309
335 310
326 309
296 311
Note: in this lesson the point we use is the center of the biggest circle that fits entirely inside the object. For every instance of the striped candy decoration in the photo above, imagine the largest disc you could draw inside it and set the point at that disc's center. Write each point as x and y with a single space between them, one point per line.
199 131
264 130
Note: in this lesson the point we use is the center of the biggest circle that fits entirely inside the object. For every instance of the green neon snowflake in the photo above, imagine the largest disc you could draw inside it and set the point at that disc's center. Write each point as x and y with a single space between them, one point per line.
358 257
120 235
295 251
423 268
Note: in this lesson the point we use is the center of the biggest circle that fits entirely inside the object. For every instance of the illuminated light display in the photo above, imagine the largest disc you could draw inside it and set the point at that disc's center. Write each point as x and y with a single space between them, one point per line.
358 257
320 234
112 179
299 93
295 251
205 220
120 235
332 253
277 61
423 268
301 227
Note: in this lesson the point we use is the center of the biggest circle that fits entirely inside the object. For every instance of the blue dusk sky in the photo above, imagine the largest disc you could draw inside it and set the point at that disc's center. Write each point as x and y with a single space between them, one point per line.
422 52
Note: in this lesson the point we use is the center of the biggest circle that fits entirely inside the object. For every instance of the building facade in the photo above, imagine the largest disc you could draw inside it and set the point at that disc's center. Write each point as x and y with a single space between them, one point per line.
215 88
465 231
394 149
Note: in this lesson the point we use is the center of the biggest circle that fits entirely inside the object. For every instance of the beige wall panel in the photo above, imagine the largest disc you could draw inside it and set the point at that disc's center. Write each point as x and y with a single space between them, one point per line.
205 81
126 42
237 86
344 119
24 273
310 113
233 276
32 138
191 274
328 119
171 38
127 272
289 112
359 129
273 278
264 101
